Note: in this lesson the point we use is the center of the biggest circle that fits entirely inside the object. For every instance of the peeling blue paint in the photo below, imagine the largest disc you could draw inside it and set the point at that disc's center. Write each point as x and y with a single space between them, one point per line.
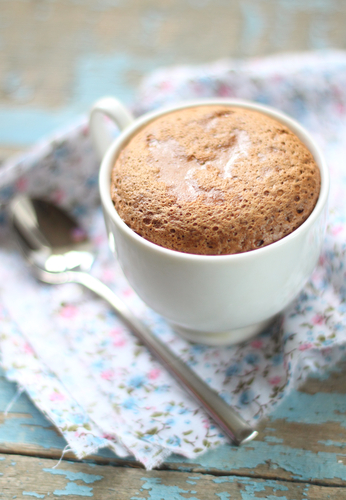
253 26
33 494
302 464
333 443
252 487
15 429
273 439
75 489
298 407
223 495
74 476
158 491
96 75
191 482
316 408
42 122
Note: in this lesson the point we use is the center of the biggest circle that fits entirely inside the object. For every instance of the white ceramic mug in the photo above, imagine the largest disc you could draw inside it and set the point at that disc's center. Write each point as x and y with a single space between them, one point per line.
222 299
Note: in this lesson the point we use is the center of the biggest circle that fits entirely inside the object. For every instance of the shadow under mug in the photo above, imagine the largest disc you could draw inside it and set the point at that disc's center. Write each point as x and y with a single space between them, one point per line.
210 299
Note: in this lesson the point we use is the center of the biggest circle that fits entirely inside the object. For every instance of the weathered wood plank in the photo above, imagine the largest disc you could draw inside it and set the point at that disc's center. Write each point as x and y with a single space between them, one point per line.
40 478
109 46
304 439
40 72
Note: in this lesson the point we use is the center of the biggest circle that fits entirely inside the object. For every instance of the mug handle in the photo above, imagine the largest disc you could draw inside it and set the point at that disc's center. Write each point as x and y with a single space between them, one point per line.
99 132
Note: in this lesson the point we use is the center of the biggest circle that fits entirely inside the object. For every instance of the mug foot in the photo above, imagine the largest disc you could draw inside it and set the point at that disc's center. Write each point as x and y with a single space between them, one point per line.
230 337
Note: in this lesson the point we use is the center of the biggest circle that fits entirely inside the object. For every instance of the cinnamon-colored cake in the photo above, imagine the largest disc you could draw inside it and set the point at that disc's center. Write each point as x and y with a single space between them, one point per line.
214 180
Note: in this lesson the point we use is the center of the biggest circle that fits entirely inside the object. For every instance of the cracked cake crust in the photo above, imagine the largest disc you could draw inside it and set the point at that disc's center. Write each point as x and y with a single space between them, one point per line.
214 180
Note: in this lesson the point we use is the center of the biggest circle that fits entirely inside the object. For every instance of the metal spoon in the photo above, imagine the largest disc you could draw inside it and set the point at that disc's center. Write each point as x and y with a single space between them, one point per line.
59 251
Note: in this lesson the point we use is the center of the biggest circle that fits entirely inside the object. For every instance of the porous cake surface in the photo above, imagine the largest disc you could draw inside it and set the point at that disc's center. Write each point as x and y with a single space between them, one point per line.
214 180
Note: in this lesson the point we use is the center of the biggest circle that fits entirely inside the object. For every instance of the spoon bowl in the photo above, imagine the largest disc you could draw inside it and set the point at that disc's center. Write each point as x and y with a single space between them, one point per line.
58 251
50 239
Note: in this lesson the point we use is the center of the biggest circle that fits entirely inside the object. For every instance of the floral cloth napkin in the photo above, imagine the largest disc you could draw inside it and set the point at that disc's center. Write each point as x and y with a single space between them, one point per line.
84 369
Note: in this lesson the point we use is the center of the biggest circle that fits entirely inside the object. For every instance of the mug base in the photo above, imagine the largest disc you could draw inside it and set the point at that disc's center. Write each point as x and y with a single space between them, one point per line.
228 338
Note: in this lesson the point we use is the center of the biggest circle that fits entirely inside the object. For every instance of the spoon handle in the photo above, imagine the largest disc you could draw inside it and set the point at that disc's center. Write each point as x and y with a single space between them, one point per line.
227 418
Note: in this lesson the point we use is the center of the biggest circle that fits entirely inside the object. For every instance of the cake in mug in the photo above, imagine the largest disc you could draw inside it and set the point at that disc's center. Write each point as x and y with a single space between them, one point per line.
214 180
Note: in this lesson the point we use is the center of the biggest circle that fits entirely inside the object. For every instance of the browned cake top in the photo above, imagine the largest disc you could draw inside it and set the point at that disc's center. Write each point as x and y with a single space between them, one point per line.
214 180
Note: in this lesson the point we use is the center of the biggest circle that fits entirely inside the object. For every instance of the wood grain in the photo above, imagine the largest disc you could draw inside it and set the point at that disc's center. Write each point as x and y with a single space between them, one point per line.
59 57
304 440
23 476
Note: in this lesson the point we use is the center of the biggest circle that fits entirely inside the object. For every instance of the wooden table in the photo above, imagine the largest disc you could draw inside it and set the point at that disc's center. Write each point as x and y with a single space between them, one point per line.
56 58
300 454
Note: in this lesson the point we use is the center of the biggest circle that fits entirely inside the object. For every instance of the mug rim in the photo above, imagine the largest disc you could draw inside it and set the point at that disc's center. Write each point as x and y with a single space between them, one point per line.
126 135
